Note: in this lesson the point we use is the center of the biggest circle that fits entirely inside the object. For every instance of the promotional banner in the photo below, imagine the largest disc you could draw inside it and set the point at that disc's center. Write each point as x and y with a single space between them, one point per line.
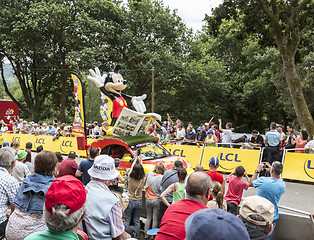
40 140
229 158
78 128
22 138
65 145
8 110
299 166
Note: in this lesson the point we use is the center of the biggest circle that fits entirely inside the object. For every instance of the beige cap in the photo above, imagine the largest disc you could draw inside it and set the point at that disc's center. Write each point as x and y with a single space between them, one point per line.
260 206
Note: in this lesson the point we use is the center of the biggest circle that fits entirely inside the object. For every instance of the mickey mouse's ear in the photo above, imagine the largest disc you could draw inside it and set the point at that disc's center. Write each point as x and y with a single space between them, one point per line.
103 69
117 69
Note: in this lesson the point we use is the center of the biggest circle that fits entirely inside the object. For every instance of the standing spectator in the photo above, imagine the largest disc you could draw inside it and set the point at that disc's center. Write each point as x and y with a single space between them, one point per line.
16 146
96 130
20 170
190 124
200 136
28 162
24 128
291 136
208 224
283 136
152 187
135 186
8 187
273 141
65 207
271 187
310 146
211 139
177 188
214 127
164 126
87 164
214 175
164 139
172 224
227 133
11 126
206 127
68 166
180 134
257 214
189 138
218 198
199 168
170 177
103 215
51 130
256 141
34 130
301 141
27 218
235 189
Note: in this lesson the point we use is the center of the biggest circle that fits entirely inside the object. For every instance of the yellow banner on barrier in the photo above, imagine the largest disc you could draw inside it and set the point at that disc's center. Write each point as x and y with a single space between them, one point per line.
22 138
229 158
37 140
65 145
299 166
4 136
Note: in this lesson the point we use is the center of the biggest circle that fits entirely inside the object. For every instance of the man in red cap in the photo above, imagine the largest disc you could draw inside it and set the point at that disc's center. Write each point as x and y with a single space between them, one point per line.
65 207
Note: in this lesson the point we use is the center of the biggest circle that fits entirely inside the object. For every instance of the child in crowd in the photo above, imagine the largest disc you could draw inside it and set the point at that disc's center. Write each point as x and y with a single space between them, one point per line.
218 198
235 189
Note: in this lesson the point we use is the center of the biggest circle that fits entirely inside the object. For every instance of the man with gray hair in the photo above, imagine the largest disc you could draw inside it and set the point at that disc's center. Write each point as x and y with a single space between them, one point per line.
198 189
104 215
8 187
271 187
65 207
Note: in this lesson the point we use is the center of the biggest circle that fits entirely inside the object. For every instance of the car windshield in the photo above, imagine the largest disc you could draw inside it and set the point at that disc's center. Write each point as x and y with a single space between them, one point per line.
152 151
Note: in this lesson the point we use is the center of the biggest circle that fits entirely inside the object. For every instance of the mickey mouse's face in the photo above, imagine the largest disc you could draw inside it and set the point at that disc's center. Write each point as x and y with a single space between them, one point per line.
117 84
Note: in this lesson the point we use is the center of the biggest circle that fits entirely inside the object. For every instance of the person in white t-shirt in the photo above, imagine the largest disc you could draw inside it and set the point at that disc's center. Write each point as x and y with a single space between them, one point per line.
227 133
310 146
180 134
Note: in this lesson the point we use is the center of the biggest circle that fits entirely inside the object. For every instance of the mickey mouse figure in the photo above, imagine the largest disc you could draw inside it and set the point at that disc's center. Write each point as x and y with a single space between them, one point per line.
112 84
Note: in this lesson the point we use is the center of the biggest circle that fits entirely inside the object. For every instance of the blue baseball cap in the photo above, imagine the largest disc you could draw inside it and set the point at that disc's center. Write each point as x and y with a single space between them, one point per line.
199 128
5 144
210 131
214 224
214 161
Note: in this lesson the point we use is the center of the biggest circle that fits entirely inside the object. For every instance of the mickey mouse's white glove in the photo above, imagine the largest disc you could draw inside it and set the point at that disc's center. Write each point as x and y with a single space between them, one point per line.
96 77
139 104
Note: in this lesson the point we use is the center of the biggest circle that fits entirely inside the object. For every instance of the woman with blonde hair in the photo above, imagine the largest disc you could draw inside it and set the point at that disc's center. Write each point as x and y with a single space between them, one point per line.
218 198
152 187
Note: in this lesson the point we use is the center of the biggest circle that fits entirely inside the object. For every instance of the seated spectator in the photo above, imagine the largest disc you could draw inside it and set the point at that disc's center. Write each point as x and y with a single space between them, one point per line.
20 170
28 162
218 198
59 160
28 148
68 166
256 140
189 138
214 175
177 188
87 164
152 194
301 141
103 216
16 146
27 217
65 207
208 224
38 150
200 136
8 187
211 139
257 214
172 224
136 182
310 146
235 189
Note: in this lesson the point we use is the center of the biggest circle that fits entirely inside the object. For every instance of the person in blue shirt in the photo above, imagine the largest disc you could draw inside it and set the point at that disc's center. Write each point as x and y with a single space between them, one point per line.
273 141
51 129
271 187
87 164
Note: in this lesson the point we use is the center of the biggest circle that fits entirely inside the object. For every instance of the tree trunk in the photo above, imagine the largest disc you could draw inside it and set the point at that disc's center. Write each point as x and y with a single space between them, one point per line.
64 93
296 92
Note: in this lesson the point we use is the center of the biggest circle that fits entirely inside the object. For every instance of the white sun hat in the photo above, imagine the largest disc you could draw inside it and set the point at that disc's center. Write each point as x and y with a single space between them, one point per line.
103 168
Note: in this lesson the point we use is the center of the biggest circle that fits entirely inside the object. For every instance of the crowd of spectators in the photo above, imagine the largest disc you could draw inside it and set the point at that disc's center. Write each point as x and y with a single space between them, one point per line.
51 200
